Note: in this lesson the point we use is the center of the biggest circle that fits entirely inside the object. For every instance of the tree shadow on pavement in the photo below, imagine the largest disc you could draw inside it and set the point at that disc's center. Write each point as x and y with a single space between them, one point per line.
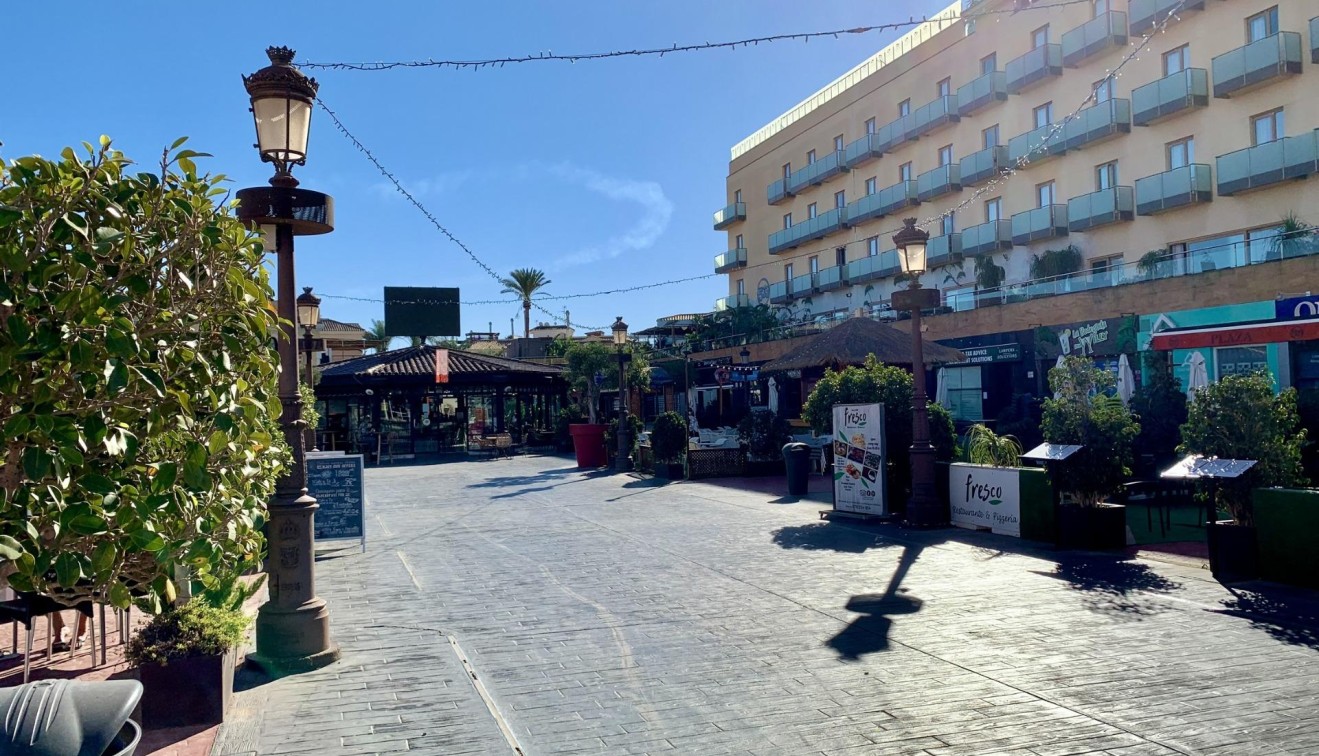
825 536
1115 586
507 481
1289 619
869 633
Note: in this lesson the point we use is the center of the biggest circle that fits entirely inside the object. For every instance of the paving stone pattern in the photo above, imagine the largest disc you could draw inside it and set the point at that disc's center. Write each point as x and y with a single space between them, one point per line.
607 614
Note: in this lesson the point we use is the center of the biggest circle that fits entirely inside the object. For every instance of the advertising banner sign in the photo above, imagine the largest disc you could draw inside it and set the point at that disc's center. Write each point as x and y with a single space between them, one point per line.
985 497
859 456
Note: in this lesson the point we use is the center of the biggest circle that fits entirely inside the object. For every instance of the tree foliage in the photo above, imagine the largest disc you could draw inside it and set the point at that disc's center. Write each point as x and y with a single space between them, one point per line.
1239 417
587 359
377 333
523 283
668 437
138 378
1160 405
748 323
1082 413
764 434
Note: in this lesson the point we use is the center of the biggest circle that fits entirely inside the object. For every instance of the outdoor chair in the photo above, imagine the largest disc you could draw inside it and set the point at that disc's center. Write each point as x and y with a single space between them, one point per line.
28 607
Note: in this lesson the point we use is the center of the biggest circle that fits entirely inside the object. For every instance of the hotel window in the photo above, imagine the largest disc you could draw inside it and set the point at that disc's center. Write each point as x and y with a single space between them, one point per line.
1039 37
1181 153
993 210
1105 269
1103 90
1176 61
1045 193
871 185
810 158
904 108
1100 8
945 155
1262 25
1240 360
944 88
1106 176
838 143
740 244
904 172
989 137
840 199
815 264
872 246
1267 127
810 211
787 170
737 196
840 256
870 125
787 272
1044 115
989 64
787 220
965 400
741 287
947 223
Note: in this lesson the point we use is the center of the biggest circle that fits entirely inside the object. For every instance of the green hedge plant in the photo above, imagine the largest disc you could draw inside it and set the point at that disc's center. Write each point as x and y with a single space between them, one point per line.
1082 413
668 438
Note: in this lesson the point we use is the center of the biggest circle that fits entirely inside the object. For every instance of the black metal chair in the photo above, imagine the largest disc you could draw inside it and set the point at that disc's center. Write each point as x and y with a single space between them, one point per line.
28 607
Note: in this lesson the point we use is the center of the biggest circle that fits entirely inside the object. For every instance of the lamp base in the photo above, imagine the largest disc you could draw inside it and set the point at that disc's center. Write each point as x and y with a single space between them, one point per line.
290 641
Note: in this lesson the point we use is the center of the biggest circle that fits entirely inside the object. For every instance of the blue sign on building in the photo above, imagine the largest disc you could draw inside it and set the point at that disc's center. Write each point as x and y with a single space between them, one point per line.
1297 308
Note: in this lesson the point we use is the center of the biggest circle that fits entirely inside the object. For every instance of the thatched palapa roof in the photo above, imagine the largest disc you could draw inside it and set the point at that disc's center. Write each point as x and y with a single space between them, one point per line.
850 342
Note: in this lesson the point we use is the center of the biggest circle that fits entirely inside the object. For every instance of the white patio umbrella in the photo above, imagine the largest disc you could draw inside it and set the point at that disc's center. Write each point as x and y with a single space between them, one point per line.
773 395
1057 364
1126 381
941 387
1197 374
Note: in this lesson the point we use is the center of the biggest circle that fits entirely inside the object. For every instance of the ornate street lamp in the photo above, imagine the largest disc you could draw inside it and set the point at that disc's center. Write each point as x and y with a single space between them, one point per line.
623 462
293 626
309 316
923 509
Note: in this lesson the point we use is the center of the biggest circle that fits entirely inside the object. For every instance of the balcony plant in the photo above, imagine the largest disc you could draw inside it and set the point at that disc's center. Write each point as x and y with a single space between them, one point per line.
668 442
989 277
982 446
1148 264
1295 237
1053 263
1081 412
763 433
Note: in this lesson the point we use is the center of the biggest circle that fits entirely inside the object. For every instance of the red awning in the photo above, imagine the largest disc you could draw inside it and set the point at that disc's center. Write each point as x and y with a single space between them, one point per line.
1236 335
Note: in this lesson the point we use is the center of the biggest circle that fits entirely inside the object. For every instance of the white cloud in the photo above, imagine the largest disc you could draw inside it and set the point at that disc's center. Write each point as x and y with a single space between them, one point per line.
443 183
656 212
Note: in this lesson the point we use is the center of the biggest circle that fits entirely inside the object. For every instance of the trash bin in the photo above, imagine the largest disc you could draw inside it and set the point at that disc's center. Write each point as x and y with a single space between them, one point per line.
797 458
70 718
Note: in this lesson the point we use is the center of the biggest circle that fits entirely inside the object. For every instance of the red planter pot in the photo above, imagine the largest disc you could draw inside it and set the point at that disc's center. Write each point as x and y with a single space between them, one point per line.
588 442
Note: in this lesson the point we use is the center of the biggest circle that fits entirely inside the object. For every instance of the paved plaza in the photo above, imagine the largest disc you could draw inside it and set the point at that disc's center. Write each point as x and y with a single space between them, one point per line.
523 606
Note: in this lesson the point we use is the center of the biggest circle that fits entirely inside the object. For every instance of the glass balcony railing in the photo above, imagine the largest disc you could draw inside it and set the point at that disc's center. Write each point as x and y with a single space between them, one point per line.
890 199
987 238
979 167
729 215
831 278
1257 64
1314 40
932 116
823 169
871 146
942 250
938 182
1269 163
1097 123
1093 37
801 286
981 93
777 192
778 292
732 302
811 228
1145 14
1170 95
1179 187
871 268
1041 223
1038 145
733 258
1101 208
1034 67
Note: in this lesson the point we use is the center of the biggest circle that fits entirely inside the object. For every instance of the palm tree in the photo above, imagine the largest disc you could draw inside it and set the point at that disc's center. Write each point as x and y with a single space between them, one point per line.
376 333
524 282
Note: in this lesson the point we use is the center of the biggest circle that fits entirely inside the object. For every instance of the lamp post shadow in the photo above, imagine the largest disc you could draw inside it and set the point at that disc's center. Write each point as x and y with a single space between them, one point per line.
869 633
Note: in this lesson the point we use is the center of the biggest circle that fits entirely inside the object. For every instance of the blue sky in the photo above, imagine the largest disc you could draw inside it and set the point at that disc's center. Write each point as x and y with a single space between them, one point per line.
603 174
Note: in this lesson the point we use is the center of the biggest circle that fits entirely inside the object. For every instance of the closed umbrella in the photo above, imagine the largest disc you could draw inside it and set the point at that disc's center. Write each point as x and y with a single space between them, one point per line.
1197 374
1057 364
941 388
1126 382
774 395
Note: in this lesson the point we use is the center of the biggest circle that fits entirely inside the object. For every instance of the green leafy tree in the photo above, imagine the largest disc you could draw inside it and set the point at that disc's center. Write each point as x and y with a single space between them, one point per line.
138 384
742 324
1239 417
764 433
523 283
668 437
587 359
1082 413
378 334
1160 405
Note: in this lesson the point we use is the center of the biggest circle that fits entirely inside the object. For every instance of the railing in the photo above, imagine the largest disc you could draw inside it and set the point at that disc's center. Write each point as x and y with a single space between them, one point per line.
1034 67
929 117
981 93
811 228
1038 144
729 215
987 238
821 170
802 285
777 192
942 250
979 167
778 292
871 146
1269 163
1314 40
1259 62
733 301
1097 123
938 182
831 278
1041 223
1100 208
872 268
733 258
1170 95
1093 37
1179 187
1146 13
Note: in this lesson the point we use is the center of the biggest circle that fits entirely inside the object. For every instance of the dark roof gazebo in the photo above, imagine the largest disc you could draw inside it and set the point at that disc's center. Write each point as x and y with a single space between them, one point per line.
413 366
850 342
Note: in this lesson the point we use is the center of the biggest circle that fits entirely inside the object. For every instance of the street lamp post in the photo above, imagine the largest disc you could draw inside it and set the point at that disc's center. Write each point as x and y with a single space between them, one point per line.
293 626
623 462
923 508
309 316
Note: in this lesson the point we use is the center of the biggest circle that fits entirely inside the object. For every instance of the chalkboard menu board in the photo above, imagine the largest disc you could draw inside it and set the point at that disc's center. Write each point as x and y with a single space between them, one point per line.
336 484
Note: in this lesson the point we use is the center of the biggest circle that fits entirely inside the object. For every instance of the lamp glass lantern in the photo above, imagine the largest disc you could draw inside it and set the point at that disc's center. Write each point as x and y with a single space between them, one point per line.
911 243
620 332
745 354
282 98
309 308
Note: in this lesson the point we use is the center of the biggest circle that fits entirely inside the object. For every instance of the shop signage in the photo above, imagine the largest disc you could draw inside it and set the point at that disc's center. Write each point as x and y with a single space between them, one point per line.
336 484
746 376
985 497
859 456
1097 338
1236 336
1297 308
995 353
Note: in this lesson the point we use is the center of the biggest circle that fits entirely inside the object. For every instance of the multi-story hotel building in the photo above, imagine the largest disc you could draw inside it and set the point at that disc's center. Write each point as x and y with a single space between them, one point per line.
1165 141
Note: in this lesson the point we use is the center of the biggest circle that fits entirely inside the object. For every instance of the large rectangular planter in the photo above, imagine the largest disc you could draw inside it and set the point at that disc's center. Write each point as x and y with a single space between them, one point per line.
1101 528
1233 551
187 692
1014 501
1287 531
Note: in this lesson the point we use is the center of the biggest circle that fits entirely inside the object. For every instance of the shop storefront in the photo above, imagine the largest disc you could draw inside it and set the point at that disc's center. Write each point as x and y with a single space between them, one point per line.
997 367
1103 341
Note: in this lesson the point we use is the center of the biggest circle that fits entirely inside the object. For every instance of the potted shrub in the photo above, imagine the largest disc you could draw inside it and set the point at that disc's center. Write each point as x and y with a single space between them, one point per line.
668 442
982 446
1160 405
1239 417
763 434
1082 413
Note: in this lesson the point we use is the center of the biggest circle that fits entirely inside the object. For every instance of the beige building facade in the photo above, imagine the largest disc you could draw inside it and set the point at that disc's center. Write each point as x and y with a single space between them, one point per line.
1154 137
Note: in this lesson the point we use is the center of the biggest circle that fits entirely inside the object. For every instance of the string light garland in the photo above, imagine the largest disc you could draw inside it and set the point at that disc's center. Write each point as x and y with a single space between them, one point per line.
546 298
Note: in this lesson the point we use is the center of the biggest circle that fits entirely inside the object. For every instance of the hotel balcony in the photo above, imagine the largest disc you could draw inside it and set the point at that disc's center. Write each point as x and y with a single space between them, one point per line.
1045 222
730 260
942 250
802 286
1098 123
890 199
1314 40
1179 187
938 182
778 293
817 173
882 265
1178 93
1101 208
1146 14
987 238
777 192
871 146
733 302
979 167
931 117
1268 164
1038 145
981 93
1257 64
730 215
1101 33
831 278
811 228
1034 68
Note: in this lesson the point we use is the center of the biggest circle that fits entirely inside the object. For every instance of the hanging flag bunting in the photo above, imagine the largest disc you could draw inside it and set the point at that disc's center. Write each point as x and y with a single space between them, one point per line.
441 365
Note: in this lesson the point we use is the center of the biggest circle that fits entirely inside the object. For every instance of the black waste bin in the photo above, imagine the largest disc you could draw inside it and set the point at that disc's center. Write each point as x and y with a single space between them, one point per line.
70 718
797 458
